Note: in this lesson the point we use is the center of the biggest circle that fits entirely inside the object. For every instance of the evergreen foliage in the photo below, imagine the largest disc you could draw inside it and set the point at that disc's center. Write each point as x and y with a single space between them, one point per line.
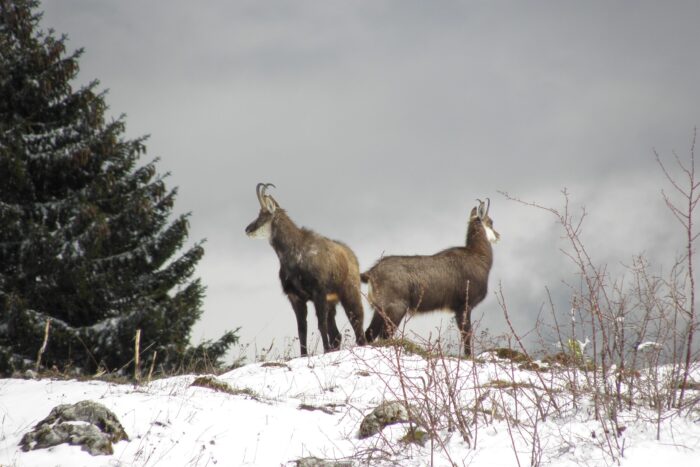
86 238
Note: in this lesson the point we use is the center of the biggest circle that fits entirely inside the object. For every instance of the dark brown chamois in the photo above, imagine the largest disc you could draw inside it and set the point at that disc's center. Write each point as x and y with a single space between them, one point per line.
314 268
454 279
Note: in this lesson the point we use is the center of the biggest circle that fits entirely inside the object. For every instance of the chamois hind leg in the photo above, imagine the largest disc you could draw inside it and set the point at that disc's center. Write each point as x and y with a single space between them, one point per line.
321 305
300 311
385 321
464 324
352 304
334 336
376 326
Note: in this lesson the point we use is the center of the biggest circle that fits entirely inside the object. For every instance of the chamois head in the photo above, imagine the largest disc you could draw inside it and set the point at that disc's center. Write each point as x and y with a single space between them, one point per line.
480 214
261 227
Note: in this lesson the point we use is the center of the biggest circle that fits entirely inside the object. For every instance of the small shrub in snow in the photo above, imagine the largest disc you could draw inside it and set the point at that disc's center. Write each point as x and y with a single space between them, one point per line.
211 382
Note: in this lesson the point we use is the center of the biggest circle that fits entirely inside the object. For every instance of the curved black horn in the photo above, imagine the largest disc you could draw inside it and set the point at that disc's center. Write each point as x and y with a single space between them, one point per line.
266 186
260 190
259 193
488 205
480 209
265 197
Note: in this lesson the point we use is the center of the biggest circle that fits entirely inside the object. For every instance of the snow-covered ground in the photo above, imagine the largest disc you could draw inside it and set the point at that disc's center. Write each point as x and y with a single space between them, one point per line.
314 406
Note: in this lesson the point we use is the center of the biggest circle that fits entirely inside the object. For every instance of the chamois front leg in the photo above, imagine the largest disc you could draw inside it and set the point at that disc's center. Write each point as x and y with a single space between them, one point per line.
321 305
333 332
464 324
300 311
352 303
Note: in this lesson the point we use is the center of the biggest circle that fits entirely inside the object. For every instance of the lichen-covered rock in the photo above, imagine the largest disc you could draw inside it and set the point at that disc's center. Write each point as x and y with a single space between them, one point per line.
387 413
316 462
87 424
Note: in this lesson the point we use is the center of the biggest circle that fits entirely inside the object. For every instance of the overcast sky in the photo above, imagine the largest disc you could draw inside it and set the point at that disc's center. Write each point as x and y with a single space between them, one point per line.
380 122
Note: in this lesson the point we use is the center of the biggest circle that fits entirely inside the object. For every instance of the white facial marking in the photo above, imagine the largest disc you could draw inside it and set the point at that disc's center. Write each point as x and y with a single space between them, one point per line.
264 231
490 234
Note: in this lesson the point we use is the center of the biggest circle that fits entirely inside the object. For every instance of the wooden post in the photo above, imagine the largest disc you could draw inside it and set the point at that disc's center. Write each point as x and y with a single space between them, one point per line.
43 345
153 364
137 345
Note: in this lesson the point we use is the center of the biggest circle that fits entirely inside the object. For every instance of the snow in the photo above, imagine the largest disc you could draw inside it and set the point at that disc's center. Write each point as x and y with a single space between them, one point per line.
313 406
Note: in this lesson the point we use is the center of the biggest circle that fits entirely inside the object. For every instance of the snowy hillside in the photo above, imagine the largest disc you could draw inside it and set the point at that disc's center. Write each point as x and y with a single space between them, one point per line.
491 413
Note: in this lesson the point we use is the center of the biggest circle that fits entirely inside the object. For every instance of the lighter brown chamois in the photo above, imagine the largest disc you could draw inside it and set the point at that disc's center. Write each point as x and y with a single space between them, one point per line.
312 267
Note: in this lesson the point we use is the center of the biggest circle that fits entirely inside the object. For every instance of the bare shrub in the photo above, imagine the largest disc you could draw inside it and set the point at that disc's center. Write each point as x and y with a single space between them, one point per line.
626 353
630 343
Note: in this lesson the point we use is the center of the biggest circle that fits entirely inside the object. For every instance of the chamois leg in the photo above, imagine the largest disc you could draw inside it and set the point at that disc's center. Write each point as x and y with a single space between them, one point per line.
352 304
375 326
333 333
321 306
464 324
299 306
384 322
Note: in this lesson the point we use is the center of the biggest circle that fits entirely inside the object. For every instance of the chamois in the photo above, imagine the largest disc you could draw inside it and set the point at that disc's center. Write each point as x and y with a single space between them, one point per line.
454 279
314 268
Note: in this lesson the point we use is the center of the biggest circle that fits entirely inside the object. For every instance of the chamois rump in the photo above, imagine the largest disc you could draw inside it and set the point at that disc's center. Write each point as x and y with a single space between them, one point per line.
454 279
312 267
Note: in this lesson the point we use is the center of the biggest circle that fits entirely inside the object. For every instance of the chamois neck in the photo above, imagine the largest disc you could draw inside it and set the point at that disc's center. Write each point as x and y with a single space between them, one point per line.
477 241
285 235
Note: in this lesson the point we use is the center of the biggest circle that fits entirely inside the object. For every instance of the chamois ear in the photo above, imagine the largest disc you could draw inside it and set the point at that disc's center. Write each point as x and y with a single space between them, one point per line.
273 201
270 204
473 213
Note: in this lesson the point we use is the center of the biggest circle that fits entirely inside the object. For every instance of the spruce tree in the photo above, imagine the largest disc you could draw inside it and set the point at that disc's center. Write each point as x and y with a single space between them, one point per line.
87 239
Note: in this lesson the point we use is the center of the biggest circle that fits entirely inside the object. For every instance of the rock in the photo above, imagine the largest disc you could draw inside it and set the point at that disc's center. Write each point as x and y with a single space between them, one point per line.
87 424
316 462
387 413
